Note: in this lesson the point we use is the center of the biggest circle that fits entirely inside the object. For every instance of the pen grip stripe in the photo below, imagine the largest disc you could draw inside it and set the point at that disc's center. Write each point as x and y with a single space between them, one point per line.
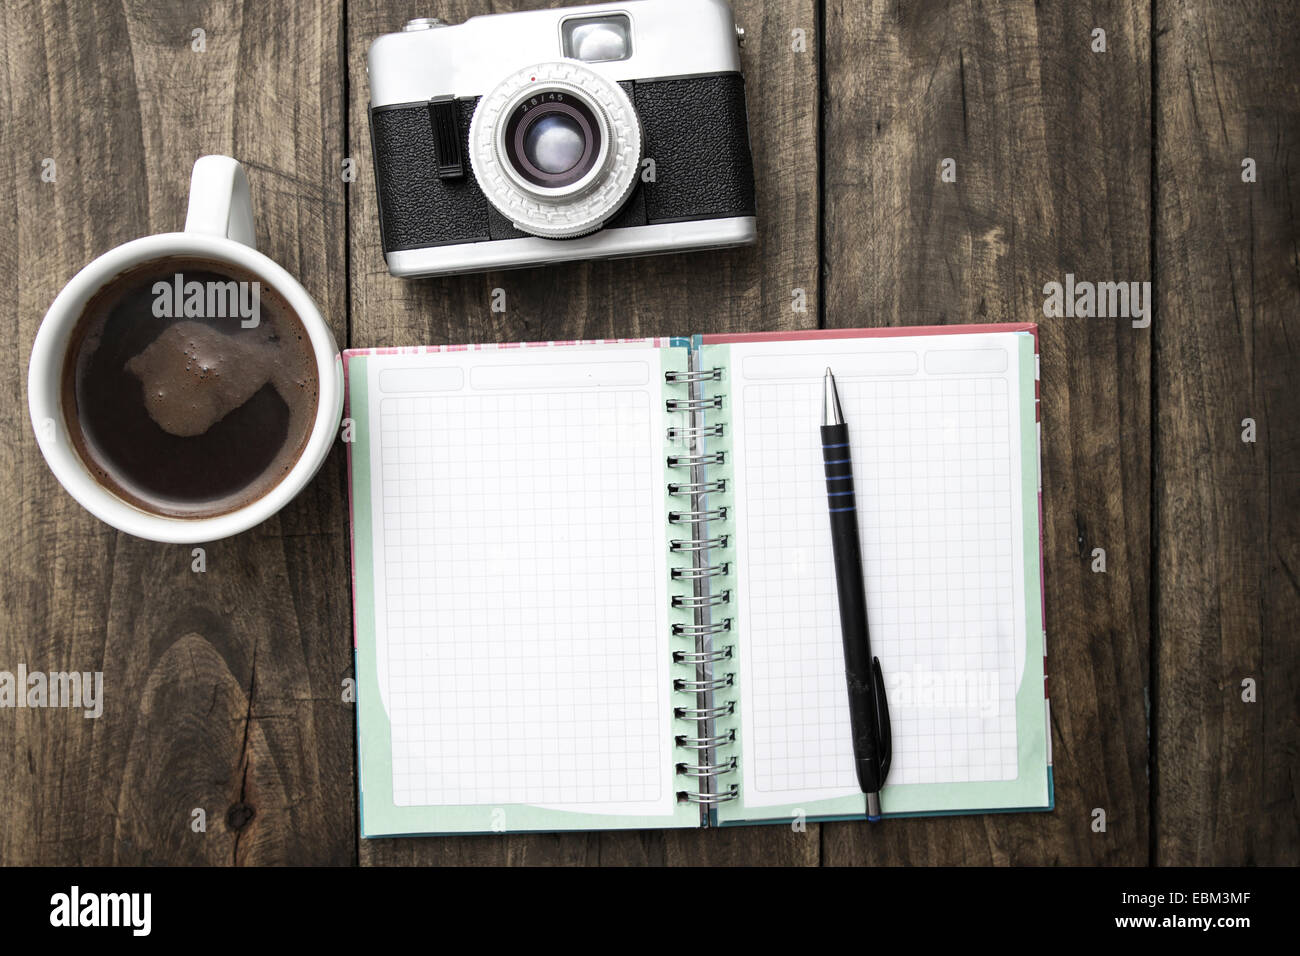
838 462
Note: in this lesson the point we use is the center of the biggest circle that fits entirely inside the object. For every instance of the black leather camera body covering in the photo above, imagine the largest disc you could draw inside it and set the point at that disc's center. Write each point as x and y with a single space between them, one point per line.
694 128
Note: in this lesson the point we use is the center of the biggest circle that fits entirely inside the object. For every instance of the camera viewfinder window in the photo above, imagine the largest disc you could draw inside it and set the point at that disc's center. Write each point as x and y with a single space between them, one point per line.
598 39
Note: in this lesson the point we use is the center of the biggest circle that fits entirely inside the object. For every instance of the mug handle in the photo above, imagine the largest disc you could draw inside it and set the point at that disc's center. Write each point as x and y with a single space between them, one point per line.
220 204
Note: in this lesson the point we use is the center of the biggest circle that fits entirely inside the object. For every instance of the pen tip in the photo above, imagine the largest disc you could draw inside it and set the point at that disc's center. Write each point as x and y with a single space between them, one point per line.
832 414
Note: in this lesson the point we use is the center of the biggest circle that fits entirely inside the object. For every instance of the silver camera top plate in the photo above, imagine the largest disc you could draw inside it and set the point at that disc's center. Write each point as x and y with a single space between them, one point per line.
669 38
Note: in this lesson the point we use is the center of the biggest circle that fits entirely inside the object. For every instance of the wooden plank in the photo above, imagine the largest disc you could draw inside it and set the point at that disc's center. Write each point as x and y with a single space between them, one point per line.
1228 531
734 290
1051 143
221 690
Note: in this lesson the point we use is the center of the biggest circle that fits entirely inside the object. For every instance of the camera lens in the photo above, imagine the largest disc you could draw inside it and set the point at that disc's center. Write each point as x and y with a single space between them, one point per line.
554 144
556 148
552 139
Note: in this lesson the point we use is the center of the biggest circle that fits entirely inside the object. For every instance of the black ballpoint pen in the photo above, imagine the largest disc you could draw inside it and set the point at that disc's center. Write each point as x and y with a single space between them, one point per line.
868 709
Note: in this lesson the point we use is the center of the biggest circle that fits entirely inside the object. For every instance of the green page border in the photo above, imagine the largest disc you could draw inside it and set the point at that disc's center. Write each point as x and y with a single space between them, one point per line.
1032 788
379 816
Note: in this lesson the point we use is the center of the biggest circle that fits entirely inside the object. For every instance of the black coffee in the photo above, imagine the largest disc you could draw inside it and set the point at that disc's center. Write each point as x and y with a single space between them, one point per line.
190 387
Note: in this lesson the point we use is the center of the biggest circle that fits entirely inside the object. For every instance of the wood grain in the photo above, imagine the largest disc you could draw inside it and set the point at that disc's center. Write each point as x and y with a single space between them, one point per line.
1227 526
665 295
222 689
1051 143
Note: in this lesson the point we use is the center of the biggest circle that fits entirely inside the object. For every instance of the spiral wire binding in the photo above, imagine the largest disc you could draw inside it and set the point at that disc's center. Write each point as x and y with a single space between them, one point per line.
705 765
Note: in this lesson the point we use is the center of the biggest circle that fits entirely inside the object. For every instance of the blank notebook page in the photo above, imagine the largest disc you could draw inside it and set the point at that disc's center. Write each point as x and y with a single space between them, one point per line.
520 577
933 424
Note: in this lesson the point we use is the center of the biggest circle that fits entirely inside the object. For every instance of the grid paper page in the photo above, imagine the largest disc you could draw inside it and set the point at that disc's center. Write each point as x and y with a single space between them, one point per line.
936 462
520 578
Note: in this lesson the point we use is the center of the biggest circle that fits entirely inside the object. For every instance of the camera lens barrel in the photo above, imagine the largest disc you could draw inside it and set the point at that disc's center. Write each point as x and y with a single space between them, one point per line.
556 148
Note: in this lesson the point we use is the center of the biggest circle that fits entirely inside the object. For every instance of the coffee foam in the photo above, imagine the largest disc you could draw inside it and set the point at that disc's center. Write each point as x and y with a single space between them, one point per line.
194 375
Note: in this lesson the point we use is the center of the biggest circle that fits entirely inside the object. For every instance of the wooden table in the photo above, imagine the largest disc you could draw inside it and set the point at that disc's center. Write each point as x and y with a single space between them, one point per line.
224 688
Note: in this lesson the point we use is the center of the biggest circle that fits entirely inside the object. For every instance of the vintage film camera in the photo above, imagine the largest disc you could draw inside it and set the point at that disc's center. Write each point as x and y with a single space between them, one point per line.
522 139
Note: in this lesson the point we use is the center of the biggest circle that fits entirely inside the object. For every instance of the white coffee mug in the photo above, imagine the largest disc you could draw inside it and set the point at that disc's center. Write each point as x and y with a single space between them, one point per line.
218 226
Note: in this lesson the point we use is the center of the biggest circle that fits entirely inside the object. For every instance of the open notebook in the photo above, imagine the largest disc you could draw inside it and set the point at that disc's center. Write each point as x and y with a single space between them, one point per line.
593 582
